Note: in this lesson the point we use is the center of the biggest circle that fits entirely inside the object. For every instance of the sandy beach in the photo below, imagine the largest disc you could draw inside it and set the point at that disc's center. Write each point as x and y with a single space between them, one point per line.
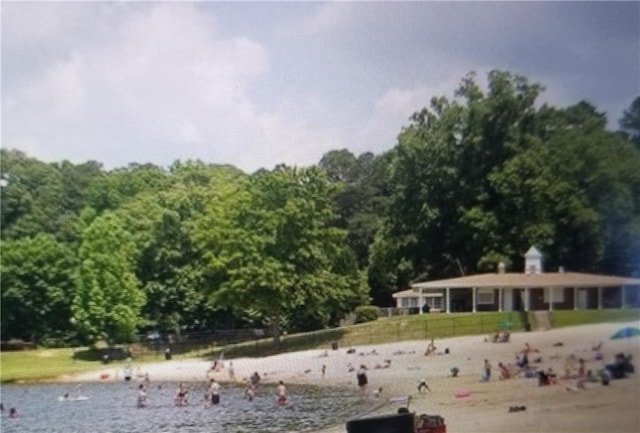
466 403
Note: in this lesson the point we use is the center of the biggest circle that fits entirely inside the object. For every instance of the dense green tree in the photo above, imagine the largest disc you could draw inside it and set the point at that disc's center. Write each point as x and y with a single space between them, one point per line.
478 179
37 288
32 199
108 297
360 196
630 122
112 189
282 252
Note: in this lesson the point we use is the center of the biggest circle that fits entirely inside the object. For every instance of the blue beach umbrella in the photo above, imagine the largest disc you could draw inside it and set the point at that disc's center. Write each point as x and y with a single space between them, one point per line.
627 332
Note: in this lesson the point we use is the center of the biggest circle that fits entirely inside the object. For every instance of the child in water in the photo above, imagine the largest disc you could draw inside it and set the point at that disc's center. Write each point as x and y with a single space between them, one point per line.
182 395
282 393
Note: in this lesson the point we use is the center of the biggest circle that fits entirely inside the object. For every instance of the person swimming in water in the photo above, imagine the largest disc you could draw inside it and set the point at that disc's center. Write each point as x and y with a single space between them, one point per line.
182 395
13 413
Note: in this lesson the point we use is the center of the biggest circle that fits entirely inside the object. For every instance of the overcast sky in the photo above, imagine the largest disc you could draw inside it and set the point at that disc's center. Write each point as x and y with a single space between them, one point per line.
257 84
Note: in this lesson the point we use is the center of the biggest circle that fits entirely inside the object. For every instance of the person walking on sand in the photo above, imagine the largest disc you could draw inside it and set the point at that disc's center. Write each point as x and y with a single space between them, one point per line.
361 376
324 370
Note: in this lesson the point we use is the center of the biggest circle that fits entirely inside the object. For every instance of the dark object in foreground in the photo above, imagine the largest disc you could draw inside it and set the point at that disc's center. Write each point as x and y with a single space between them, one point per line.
395 423
401 422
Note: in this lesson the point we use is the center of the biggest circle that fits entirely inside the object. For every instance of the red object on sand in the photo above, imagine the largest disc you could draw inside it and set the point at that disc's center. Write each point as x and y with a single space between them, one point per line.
104 376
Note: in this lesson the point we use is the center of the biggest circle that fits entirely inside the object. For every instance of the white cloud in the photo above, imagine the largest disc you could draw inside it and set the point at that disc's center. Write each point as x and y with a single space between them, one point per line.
159 84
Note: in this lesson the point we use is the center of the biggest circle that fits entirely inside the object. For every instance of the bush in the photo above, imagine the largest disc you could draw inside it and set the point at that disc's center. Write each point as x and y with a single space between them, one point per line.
366 313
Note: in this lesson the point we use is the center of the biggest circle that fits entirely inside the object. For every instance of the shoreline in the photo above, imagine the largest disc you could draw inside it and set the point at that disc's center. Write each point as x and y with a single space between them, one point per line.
479 407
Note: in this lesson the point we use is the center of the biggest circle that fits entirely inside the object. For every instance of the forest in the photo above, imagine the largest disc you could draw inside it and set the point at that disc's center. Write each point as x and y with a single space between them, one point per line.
90 254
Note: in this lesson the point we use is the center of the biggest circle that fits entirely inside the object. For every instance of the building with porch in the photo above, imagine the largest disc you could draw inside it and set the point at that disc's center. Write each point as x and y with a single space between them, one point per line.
529 291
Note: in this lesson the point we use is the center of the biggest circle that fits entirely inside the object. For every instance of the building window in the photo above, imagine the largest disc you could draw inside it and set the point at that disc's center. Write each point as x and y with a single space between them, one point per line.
435 303
558 295
485 296
404 302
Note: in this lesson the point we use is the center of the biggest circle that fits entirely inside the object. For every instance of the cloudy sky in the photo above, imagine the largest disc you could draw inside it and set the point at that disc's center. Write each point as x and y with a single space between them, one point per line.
257 84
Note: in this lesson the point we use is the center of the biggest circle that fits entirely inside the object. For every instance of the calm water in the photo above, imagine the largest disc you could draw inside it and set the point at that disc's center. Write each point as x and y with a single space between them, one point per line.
111 408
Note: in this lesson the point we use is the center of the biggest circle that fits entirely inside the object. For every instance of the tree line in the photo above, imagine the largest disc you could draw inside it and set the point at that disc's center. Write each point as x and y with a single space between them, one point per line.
90 254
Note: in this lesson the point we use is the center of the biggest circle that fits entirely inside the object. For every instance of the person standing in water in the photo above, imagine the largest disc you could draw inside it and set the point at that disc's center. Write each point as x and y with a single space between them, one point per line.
214 389
282 393
250 392
142 396
182 395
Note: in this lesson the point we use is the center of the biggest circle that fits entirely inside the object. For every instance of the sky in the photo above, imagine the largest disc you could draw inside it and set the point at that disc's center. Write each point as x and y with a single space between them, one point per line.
256 84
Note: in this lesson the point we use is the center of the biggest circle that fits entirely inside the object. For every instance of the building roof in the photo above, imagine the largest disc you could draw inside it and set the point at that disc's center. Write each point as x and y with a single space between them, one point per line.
411 293
522 281
533 253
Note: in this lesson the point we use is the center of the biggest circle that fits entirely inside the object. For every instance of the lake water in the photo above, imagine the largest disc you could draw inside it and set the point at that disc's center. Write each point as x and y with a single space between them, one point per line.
111 408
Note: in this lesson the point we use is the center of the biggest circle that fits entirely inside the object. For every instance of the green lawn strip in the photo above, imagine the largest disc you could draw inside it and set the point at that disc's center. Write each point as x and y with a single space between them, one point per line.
29 365
563 318
48 364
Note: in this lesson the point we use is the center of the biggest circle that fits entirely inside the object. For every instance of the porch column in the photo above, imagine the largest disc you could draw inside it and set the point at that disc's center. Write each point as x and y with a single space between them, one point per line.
448 291
420 300
474 299
623 298
551 298
575 298
599 298
500 299
526 299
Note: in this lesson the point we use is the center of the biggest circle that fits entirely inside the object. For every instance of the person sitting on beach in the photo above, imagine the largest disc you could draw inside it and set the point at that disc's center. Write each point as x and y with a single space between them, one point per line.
387 364
570 366
505 373
523 362
431 348
582 371
182 395
504 337
547 378
496 337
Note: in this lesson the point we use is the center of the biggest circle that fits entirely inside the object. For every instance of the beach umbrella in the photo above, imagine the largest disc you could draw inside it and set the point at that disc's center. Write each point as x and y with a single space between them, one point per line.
627 332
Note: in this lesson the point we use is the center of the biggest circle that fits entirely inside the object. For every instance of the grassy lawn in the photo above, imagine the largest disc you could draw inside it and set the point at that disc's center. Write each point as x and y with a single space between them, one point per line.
571 318
383 330
40 364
